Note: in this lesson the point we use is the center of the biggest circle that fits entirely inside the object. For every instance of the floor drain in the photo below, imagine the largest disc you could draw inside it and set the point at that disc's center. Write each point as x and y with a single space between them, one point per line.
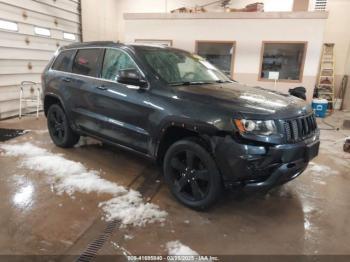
148 188
7 134
91 252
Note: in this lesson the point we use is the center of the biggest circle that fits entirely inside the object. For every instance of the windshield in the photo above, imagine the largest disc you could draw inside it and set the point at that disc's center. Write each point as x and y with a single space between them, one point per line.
178 67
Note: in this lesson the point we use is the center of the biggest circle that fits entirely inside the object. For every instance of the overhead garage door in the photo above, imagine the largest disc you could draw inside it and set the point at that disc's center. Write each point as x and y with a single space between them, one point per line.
30 33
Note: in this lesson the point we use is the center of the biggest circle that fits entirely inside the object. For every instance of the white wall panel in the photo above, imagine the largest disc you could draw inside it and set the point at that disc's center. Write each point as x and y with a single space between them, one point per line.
23 54
40 8
16 15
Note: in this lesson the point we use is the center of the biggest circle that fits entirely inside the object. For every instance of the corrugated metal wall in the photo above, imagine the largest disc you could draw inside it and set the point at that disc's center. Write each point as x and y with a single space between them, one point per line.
24 53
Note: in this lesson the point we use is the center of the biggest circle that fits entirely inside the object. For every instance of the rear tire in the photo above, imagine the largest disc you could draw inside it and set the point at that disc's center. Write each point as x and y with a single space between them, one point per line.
192 175
60 131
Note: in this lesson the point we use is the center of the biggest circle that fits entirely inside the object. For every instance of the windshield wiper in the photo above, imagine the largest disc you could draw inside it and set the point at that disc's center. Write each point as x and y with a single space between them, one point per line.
223 81
188 83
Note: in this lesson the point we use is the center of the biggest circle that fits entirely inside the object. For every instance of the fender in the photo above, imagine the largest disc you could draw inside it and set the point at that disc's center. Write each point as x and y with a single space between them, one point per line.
202 129
50 94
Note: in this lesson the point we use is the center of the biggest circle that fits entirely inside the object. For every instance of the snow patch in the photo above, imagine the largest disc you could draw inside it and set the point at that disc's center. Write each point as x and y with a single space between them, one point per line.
176 248
131 210
128 237
26 149
69 177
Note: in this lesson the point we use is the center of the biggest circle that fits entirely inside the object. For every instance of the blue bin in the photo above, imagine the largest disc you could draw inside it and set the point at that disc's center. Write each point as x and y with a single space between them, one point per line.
320 107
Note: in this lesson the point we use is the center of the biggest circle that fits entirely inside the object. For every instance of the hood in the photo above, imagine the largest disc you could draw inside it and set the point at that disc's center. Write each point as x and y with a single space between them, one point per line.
254 102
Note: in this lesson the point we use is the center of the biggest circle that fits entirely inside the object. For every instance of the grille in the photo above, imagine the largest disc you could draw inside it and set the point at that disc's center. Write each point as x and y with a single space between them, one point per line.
299 128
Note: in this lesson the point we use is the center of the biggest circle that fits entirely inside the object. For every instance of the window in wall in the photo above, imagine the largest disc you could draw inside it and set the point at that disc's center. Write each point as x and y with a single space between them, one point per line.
155 42
282 61
220 54
86 62
63 61
42 31
114 61
69 36
7 25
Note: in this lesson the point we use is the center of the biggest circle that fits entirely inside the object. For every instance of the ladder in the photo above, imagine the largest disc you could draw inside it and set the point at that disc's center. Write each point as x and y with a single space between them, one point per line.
325 85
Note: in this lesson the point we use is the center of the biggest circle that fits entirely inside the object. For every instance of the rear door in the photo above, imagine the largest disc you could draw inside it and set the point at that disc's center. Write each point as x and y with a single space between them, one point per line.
55 79
83 81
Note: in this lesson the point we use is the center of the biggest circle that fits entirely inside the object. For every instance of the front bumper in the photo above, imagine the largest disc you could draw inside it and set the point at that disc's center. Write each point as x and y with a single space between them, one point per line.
261 167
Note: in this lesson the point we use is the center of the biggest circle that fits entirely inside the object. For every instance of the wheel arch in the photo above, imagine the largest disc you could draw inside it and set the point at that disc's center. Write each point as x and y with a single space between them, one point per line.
176 130
51 99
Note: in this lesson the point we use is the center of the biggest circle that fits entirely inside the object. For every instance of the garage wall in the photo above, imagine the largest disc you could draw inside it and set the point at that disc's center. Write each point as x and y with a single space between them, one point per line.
346 104
105 21
249 30
24 54
337 32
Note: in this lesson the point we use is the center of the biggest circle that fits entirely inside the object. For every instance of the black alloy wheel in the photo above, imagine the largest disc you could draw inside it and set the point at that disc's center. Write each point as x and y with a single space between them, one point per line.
192 174
60 131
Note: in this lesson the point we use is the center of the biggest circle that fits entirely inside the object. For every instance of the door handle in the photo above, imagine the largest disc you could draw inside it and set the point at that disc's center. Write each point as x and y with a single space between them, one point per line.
101 87
67 79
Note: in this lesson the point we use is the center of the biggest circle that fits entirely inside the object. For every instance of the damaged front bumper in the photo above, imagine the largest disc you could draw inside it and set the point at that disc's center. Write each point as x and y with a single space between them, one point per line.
261 167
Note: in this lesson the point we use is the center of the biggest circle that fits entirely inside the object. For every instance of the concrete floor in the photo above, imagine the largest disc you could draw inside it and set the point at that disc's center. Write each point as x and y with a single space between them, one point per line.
310 215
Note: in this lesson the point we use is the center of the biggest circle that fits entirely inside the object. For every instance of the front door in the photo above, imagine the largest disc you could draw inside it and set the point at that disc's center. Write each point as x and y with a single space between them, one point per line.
123 111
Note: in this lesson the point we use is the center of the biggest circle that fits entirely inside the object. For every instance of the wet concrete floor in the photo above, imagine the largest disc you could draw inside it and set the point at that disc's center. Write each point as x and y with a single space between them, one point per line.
310 215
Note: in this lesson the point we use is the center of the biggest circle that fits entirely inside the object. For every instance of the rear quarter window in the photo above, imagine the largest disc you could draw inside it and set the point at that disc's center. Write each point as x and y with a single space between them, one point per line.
87 62
63 61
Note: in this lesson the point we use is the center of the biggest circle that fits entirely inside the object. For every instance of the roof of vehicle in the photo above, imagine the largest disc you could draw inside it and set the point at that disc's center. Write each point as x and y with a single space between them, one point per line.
115 44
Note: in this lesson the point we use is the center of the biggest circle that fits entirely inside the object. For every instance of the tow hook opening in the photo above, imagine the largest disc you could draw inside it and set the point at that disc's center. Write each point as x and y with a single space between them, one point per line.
291 165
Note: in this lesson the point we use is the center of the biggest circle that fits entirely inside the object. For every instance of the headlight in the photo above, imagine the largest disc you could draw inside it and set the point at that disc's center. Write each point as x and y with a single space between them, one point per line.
257 127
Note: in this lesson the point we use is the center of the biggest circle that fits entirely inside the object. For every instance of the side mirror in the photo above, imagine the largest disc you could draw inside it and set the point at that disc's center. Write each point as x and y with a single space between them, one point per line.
131 77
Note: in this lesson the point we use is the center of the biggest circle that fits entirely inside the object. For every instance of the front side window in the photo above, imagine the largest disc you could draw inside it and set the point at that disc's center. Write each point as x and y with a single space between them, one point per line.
283 61
86 62
177 67
63 61
114 61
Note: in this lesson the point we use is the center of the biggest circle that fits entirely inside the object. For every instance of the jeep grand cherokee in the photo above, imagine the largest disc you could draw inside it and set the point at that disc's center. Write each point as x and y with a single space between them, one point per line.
206 130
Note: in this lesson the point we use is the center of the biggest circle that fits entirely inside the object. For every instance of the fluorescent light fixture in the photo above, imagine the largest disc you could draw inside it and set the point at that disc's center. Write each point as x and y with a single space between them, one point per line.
7 25
69 36
42 31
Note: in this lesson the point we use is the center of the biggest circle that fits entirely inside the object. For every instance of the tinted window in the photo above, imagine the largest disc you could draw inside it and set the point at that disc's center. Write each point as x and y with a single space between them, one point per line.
176 66
86 62
63 60
114 61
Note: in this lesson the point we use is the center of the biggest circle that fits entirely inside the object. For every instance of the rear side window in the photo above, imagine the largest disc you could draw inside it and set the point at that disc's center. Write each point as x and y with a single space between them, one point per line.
86 62
63 61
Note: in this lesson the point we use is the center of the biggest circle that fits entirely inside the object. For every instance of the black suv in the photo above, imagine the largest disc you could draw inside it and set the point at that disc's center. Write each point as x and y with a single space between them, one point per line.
208 131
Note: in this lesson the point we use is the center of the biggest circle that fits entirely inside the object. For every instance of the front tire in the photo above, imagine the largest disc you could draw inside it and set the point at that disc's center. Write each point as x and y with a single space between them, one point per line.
192 175
60 131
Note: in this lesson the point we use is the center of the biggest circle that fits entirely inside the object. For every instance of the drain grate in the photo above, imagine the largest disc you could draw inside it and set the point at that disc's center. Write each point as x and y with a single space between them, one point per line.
91 252
149 188
7 134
